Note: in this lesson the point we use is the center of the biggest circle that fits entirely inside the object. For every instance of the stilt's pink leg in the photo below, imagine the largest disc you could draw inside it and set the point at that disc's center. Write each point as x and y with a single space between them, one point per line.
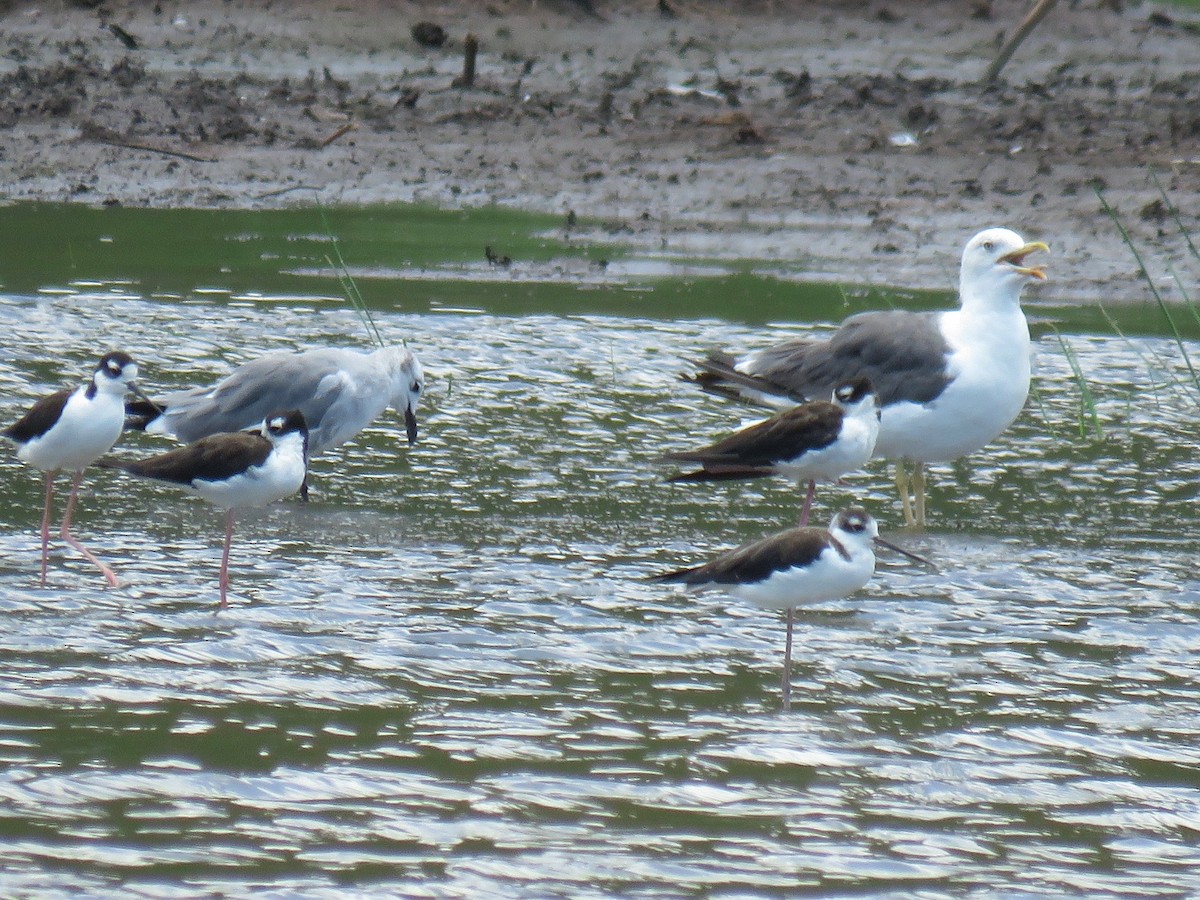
808 501
787 666
108 573
224 580
46 524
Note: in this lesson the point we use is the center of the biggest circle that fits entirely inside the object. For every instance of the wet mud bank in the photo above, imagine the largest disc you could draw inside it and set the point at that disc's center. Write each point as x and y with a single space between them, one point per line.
856 139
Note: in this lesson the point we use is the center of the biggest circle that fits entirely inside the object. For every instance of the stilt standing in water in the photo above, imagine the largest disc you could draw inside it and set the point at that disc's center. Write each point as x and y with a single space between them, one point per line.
70 430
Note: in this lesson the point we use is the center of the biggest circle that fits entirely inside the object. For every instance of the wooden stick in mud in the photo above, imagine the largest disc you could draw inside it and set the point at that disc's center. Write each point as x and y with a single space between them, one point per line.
470 50
349 126
1039 11
104 136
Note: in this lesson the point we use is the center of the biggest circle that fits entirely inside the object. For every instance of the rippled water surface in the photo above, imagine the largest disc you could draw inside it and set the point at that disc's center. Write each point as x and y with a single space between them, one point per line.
446 675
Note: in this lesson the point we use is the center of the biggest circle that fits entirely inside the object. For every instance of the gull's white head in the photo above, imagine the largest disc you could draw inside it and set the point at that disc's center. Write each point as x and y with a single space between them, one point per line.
408 384
993 265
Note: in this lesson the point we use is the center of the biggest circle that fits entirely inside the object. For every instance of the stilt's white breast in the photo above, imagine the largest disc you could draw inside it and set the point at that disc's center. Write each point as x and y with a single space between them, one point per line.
849 453
829 577
279 476
85 431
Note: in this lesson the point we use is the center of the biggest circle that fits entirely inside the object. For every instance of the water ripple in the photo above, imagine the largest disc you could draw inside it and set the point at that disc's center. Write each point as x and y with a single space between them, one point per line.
447 674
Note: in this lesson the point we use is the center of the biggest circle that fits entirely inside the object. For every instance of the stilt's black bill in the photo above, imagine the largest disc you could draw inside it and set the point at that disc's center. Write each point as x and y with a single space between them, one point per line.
138 391
913 556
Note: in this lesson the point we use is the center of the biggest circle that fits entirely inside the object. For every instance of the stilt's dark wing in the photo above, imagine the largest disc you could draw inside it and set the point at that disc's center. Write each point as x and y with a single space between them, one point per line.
780 438
40 418
756 562
213 458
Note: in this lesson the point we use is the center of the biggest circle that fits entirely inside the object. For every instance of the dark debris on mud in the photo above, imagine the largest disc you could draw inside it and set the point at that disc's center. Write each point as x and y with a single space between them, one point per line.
695 114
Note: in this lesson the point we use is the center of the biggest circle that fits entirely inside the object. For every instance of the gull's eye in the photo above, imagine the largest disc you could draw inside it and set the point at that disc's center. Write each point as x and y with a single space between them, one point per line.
989 246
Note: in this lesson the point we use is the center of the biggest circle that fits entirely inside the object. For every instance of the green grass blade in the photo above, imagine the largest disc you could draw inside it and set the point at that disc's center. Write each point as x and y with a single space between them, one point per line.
1087 400
346 280
1145 273
1174 211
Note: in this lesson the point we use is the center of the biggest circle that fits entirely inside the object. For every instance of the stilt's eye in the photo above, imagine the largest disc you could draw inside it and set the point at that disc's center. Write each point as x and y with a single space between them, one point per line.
415 387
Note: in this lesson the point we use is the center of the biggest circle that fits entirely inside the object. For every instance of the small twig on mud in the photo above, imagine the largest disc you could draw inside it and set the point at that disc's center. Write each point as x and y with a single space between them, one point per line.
349 126
104 136
130 42
470 50
287 190
1039 11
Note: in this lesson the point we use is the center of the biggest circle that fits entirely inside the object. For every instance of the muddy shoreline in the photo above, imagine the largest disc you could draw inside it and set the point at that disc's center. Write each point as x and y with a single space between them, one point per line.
854 138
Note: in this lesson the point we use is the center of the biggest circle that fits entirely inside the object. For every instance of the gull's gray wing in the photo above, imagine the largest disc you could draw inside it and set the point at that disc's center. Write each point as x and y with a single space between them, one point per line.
309 382
902 352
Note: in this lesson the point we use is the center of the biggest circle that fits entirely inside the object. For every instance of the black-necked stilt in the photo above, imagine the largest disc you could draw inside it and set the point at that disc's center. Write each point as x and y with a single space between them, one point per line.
948 382
236 470
820 440
70 430
796 567
339 392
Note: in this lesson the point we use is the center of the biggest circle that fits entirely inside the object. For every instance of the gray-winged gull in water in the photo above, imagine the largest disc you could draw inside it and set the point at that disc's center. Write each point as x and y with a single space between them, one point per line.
948 382
338 391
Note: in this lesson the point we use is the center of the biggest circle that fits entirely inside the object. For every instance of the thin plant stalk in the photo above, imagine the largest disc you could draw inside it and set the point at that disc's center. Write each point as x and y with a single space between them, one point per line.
1041 405
1087 400
1187 237
1154 365
349 288
1162 304
1174 211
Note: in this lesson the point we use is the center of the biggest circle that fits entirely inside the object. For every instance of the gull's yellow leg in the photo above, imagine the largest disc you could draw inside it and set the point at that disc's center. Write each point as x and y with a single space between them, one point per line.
902 490
918 481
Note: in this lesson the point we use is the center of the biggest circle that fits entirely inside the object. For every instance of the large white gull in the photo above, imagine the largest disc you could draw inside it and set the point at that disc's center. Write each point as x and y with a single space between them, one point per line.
948 382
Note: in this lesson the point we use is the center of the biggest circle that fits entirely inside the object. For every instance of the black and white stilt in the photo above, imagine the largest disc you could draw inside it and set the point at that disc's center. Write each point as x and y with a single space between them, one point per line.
237 470
820 440
796 567
71 429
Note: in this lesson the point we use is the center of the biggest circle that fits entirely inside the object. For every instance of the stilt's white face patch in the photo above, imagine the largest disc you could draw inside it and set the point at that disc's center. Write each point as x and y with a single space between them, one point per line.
276 424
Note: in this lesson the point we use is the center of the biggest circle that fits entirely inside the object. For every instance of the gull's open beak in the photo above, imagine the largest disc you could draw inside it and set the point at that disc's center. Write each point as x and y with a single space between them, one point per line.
914 557
137 391
410 424
1016 259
